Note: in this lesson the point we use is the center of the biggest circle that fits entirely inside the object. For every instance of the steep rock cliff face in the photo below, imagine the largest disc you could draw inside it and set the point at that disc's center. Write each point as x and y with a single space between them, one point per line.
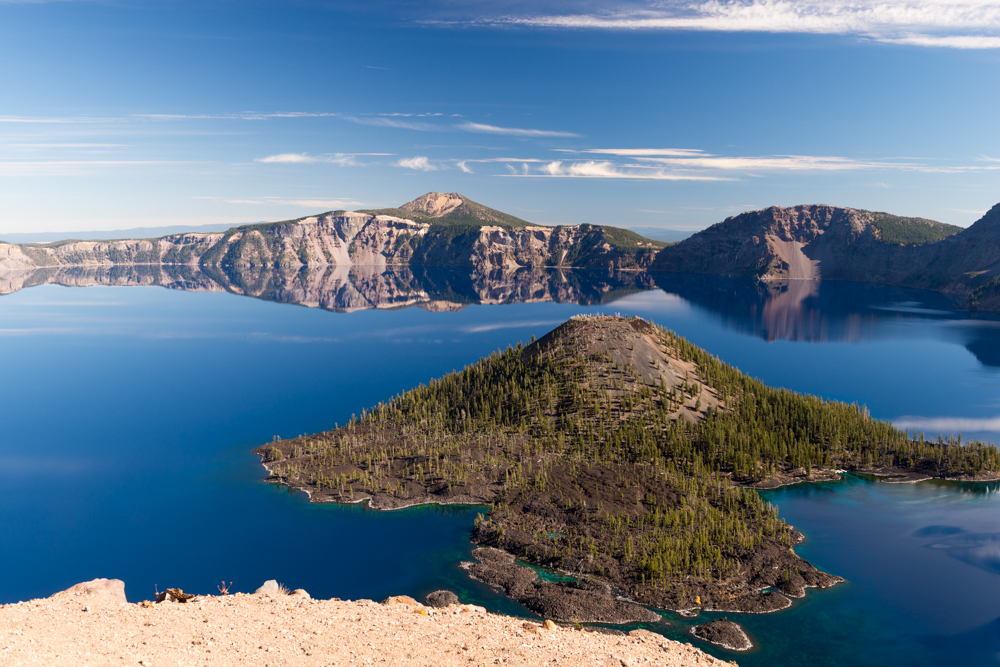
797 243
342 238
345 238
830 243
489 247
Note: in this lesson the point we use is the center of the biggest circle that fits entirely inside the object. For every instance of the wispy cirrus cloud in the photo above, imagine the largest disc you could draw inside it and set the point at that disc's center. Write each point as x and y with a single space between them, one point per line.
607 169
687 159
417 163
959 24
639 152
468 126
382 121
288 158
481 128
342 159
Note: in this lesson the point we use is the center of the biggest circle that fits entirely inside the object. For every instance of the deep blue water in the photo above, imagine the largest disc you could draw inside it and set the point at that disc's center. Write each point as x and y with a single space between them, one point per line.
127 415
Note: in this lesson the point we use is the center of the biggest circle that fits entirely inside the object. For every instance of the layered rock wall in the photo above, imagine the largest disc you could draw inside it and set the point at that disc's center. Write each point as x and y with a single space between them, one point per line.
343 239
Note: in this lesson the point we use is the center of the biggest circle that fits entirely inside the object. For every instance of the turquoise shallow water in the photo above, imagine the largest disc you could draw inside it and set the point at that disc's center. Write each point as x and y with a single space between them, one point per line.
128 416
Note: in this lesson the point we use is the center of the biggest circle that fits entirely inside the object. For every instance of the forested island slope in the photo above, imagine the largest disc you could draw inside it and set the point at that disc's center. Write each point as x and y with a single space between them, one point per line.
615 450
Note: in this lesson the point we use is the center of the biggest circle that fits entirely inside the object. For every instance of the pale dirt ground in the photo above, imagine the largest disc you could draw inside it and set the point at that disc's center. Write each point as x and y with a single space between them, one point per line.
259 630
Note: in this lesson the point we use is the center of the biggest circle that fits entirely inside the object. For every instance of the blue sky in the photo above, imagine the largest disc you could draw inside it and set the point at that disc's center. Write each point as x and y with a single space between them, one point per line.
670 114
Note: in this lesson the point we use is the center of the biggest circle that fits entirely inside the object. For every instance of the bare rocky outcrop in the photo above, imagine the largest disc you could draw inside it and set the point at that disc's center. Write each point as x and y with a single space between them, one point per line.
435 204
259 630
108 589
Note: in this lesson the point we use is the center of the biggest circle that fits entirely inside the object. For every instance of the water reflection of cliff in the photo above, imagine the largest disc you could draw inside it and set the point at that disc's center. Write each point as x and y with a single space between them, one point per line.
346 289
835 311
799 310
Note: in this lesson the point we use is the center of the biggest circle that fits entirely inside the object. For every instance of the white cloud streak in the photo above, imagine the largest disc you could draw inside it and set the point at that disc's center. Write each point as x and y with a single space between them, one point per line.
607 169
342 159
690 159
417 163
481 128
475 128
288 158
959 24
641 152
400 124
780 163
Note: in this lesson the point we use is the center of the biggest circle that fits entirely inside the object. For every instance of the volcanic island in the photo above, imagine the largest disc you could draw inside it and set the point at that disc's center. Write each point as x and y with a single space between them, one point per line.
622 456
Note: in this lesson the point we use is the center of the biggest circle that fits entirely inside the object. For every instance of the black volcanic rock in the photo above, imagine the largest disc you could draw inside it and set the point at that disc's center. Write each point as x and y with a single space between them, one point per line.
723 632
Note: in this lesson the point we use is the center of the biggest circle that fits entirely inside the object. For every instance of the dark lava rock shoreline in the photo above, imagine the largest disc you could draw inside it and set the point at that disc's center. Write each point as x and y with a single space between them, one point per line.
723 632
583 601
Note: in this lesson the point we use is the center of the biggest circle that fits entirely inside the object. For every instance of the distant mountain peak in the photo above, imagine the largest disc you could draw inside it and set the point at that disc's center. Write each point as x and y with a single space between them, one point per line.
435 204
448 209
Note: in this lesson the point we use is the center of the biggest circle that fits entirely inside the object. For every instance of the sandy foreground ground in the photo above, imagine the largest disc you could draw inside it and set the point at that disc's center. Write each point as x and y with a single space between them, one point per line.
81 629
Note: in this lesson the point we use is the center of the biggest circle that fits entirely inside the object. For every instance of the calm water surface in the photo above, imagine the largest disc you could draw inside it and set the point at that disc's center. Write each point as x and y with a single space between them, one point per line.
128 415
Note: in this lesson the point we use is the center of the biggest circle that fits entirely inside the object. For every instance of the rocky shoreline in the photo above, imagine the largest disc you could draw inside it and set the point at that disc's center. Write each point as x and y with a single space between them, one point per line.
723 632
93 624
886 475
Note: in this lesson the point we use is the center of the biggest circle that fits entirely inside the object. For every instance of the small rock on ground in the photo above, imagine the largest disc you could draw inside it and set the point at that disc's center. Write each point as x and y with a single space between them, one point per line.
439 599
270 587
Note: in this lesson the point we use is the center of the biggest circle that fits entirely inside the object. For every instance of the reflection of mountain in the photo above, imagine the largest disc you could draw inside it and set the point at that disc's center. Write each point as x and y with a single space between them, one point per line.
806 311
833 311
350 288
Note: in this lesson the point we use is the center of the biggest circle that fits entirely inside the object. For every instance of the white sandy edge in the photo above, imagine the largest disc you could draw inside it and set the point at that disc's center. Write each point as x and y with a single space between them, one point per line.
81 630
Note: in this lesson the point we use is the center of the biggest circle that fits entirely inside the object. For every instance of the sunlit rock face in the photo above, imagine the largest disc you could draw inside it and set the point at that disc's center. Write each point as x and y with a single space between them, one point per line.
833 243
471 236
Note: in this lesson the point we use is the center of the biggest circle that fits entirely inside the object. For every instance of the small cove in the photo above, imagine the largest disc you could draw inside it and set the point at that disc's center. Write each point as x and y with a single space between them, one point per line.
129 414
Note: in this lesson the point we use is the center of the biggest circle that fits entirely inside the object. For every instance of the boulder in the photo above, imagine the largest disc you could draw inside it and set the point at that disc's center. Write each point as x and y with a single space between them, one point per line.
270 587
112 589
440 599
402 599
301 593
